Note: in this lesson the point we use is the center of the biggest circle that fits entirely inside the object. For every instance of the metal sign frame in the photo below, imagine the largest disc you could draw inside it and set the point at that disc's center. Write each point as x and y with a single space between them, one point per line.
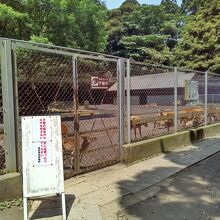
43 166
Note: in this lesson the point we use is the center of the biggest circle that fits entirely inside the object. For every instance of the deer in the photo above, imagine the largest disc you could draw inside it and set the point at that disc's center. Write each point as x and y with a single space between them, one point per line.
166 123
138 126
69 144
194 118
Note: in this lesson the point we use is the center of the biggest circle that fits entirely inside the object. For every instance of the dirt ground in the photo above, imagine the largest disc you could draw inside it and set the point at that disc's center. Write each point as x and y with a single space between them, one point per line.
192 194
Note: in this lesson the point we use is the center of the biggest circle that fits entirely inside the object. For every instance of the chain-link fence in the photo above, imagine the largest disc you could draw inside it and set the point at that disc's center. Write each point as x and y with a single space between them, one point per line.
151 99
103 101
76 87
98 124
191 99
45 87
213 98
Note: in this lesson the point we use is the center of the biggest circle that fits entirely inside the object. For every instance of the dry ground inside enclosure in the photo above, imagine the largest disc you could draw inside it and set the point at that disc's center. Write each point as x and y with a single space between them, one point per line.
103 126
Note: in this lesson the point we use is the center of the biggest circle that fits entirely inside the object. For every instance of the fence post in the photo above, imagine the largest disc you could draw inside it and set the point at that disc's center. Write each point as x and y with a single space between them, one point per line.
76 113
175 100
16 106
206 97
8 105
128 101
121 99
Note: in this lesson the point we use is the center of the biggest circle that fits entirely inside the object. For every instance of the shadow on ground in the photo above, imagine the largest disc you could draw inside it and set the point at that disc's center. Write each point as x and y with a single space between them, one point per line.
52 206
192 194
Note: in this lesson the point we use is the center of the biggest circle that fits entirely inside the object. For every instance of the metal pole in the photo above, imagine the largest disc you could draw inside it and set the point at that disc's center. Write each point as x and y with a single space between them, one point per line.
175 100
129 101
206 97
63 205
121 94
17 121
25 210
8 105
76 114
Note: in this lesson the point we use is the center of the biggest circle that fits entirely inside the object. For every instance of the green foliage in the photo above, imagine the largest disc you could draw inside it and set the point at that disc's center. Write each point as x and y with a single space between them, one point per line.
40 39
148 48
191 6
74 23
12 23
144 32
164 34
8 204
199 47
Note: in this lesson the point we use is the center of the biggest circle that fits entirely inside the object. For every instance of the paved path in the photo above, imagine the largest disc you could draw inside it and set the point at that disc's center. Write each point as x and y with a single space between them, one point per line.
192 194
105 193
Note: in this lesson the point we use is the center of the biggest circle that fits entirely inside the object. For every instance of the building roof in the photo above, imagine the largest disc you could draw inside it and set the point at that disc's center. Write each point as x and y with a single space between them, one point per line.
156 81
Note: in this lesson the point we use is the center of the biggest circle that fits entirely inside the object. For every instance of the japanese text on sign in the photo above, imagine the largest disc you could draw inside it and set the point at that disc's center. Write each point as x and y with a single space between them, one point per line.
99 82
41 142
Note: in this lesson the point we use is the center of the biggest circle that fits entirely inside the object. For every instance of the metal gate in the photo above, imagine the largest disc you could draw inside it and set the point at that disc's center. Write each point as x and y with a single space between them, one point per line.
50 80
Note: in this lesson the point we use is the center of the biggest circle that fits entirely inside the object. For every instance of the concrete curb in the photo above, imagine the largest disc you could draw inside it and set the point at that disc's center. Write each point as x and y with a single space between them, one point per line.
152 147
10 186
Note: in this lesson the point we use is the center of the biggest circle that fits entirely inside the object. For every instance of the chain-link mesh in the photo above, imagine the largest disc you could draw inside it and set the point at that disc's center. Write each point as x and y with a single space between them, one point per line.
213 98
152 100
45 87
191 99
98 127
2 147
86 92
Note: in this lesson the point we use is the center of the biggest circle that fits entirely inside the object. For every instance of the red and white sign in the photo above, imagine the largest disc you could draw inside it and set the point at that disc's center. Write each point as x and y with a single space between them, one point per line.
42 158
98 82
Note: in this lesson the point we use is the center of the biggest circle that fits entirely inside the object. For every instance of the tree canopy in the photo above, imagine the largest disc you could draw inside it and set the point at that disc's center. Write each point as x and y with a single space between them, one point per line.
161 34
145 33
74 23
199 47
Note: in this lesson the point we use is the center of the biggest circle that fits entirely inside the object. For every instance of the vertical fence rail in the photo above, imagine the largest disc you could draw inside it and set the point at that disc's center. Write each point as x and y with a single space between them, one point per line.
206 97
76 113
17 120
8 105
128 101
121 99
175 100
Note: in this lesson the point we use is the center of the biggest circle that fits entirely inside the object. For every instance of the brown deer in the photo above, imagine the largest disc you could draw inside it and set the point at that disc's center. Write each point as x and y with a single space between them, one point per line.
166 123
69 145
138 126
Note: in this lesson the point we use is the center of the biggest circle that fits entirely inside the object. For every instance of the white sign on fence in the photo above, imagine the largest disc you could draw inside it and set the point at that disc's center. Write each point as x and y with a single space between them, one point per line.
42 158
191 90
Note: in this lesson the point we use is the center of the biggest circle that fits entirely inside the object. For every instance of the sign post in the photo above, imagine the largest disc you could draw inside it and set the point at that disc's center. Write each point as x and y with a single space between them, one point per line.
42 159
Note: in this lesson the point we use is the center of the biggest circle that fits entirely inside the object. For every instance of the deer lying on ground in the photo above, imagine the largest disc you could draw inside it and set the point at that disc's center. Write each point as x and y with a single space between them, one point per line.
184 118
213 114
166 123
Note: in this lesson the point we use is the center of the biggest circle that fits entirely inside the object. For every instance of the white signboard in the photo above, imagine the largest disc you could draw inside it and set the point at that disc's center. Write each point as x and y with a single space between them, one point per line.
191 90
42 157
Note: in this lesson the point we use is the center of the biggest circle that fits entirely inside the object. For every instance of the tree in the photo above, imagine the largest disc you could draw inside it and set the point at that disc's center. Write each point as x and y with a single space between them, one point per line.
170 6
13 24
199 47
147 33
190 6
148 48
74 23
